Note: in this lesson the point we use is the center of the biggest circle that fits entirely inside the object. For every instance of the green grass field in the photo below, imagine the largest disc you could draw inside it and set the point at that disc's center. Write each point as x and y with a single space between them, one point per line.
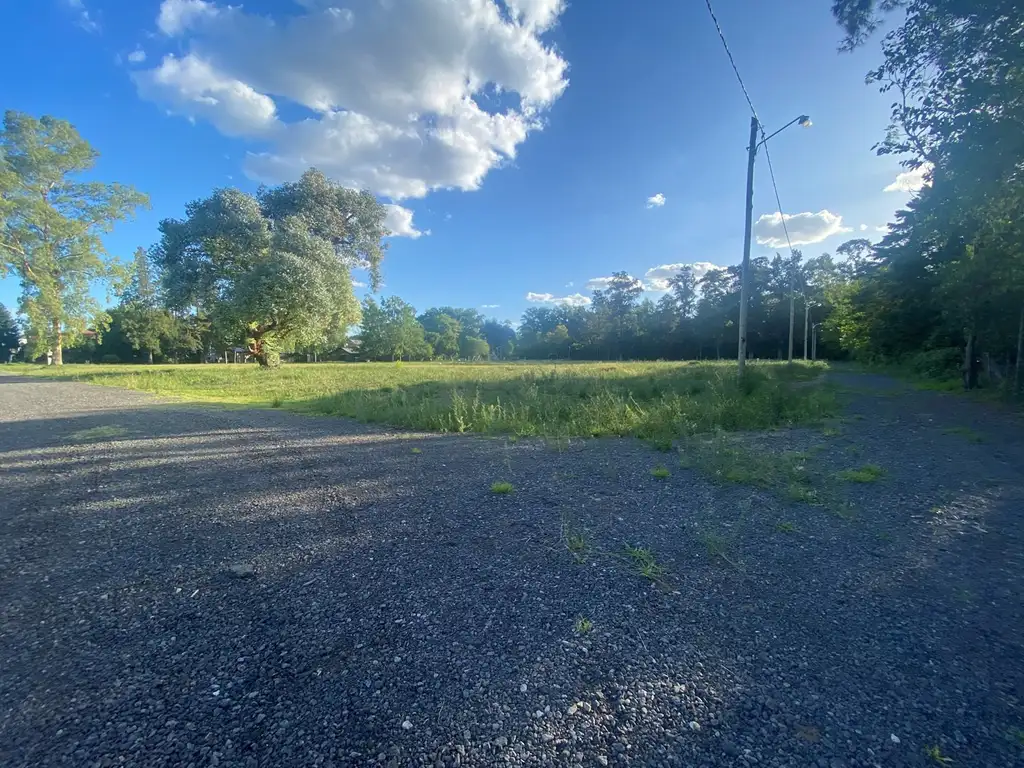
647 400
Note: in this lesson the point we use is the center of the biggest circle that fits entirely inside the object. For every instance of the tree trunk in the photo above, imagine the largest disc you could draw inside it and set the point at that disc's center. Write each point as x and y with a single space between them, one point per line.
58 351
149 356
970 368
266 357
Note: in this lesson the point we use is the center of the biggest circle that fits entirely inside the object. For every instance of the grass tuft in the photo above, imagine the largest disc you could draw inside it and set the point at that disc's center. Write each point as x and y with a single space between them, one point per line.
582 626
786 527
966 433
661 473
869 473
645 562
416 450
935 755
98 433
501 487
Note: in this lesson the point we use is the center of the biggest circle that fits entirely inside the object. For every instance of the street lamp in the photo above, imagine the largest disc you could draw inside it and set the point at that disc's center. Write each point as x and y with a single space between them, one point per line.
755 128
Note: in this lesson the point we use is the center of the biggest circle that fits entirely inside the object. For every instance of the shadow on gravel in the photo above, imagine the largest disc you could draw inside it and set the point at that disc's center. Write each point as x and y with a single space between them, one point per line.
399 613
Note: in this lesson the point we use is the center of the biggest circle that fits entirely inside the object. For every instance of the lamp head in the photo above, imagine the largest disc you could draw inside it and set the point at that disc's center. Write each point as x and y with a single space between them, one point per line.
804 121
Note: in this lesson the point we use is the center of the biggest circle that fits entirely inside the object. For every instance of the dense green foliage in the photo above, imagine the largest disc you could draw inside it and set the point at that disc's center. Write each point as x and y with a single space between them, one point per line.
51 226
10 335
273 270
650 400
947 282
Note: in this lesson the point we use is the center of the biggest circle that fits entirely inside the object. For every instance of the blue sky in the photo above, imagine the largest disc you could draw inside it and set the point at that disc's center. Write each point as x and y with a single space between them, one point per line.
525 136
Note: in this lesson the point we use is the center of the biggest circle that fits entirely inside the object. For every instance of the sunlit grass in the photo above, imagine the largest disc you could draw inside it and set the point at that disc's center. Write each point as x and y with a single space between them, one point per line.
655 401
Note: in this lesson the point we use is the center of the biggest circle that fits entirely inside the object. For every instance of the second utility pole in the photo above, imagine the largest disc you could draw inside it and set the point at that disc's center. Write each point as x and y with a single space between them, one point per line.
745 274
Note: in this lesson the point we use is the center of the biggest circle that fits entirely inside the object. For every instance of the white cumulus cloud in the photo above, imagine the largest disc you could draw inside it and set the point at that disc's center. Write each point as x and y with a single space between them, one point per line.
911 181
192 87
804 228
404 96
572 300
399 221
137 56
656 201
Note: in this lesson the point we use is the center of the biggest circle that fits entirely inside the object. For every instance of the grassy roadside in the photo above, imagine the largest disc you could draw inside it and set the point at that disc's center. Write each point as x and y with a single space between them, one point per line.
647 400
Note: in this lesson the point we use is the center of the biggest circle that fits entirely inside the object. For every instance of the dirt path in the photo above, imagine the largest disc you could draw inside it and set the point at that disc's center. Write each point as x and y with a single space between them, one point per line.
199 586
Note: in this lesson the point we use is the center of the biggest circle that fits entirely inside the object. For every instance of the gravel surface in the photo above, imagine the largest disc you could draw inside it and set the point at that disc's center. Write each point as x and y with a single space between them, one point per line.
195 586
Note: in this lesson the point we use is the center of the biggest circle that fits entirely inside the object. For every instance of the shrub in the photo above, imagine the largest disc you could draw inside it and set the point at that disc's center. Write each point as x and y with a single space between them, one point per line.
941 363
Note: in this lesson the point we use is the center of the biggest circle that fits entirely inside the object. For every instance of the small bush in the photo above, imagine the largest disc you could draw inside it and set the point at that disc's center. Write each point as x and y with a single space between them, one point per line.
941 363
582 625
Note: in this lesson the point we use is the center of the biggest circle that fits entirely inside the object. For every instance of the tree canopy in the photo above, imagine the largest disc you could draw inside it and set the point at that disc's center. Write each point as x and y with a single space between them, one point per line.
273 270
51 227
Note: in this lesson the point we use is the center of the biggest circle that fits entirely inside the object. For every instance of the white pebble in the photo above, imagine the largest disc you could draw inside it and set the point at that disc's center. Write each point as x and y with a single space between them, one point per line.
894 738
406 725
694 725
522 688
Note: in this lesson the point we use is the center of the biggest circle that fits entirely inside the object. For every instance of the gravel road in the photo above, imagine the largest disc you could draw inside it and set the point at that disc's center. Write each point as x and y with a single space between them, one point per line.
195 586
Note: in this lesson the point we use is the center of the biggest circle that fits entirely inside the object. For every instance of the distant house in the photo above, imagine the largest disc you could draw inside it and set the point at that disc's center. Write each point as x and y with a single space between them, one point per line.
351 351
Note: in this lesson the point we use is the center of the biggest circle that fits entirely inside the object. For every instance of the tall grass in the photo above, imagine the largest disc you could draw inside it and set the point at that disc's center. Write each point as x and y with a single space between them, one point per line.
647 400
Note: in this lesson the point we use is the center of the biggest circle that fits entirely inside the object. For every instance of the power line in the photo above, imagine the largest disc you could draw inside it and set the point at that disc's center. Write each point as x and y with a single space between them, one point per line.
778 202
732 61
750 103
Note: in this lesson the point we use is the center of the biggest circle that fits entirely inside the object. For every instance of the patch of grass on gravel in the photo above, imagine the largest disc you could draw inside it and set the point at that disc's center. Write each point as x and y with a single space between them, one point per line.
582 626
786 527
966 433
416 450
98 433
869 473
501 487
789 475
935 755
661 473
727 460
645 563
653 401
717 545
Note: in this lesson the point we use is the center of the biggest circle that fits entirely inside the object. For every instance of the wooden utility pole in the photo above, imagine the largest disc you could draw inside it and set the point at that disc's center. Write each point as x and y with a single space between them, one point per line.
745 273
807 327
792 310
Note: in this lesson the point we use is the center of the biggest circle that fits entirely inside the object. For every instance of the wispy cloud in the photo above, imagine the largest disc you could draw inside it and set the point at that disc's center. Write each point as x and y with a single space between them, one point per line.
84 18
656 201
656 278
572 300
489 306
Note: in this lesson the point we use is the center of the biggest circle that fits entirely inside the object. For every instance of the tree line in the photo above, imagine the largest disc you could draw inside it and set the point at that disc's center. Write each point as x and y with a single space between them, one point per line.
270 273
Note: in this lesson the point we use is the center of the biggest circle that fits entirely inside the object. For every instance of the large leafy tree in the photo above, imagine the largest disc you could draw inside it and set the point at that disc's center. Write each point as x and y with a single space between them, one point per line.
500 337
390 331
10 335
144 322
274 269
51 227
